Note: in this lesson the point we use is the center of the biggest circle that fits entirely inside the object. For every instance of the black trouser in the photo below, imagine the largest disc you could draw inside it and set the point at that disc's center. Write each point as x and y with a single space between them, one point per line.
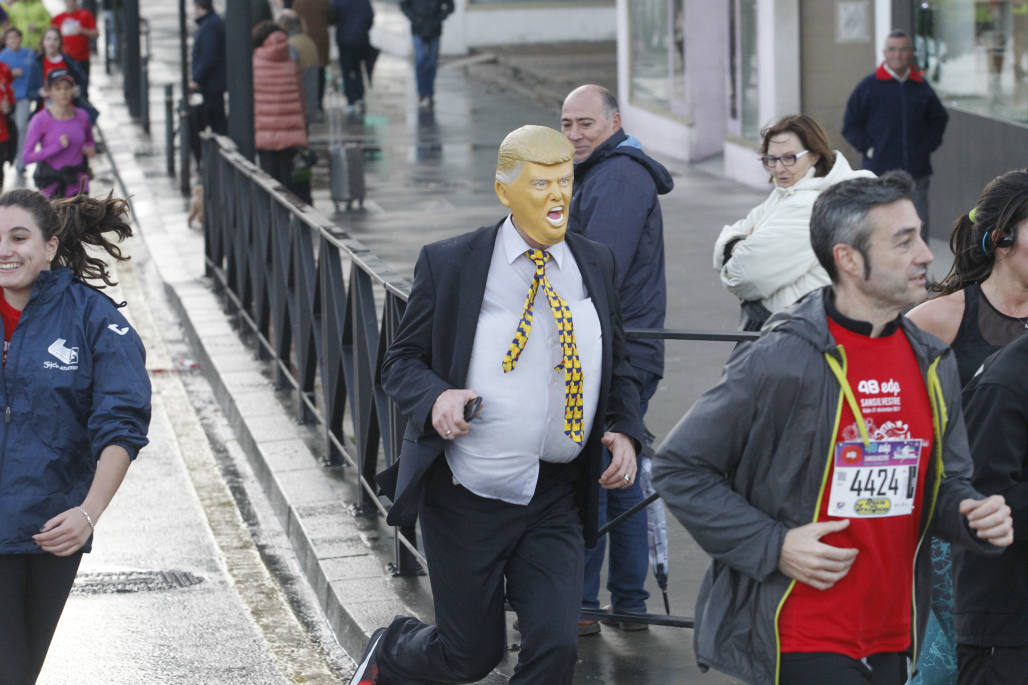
33 590
321 88
210 113
808 668
473 545
279 165
84 65
992 665
350 57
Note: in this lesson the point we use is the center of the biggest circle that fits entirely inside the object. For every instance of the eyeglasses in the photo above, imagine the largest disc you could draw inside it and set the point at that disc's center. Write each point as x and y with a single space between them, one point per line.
769 161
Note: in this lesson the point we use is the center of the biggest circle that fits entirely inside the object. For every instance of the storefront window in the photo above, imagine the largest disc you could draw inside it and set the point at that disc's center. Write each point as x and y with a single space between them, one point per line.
657 40
975 54
742 79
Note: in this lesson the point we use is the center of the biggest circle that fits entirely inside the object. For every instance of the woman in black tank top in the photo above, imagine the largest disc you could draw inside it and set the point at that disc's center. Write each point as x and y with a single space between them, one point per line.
984 329
981 305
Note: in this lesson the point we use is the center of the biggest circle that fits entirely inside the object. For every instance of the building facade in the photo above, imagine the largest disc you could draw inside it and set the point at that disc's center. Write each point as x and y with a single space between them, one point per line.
699 78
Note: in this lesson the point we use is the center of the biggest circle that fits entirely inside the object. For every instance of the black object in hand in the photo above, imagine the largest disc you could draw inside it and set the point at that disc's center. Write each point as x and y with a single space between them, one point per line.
471 408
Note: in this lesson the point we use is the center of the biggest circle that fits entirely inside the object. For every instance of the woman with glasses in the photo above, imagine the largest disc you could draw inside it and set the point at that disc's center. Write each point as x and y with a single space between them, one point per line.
765 259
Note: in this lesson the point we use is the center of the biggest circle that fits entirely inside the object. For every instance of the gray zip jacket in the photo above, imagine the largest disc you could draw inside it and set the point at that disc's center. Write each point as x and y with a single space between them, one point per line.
750 460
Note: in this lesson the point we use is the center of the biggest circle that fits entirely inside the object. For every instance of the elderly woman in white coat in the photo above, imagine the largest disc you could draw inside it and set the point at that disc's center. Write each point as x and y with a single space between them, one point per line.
765 259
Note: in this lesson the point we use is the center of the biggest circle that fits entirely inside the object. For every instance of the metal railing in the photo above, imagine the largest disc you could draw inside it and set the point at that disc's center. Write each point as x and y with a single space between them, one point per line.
322 310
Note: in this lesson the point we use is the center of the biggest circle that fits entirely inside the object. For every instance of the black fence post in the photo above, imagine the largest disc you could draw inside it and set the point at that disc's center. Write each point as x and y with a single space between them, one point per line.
184 139
239 61
144 77
129 47
184 135
110 38
169 128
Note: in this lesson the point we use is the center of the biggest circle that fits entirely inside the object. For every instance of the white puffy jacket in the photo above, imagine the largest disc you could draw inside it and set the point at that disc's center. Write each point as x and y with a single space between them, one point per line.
774 262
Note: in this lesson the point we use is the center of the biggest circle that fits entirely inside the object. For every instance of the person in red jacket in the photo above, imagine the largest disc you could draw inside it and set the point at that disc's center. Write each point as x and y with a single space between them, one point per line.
278 112
8 147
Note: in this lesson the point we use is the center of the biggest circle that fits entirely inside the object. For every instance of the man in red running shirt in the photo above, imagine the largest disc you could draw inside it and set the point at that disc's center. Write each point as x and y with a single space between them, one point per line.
77 27
814 470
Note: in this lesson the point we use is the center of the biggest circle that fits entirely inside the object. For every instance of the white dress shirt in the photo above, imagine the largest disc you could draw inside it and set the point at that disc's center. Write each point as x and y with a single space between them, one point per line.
522 419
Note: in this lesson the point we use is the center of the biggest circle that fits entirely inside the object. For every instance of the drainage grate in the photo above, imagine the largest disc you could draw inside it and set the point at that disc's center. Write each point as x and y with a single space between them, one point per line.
133 581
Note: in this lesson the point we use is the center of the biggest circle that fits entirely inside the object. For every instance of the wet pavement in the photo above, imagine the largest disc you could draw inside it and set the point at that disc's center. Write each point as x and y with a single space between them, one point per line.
429 176
177 588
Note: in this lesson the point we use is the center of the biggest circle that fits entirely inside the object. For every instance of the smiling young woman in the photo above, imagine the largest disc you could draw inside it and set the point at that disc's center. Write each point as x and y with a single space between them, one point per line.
76 402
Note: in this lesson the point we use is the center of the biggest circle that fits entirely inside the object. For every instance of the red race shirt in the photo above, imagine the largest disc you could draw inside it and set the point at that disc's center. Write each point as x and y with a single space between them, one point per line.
75 44
49 66
10 317
6 95
879 487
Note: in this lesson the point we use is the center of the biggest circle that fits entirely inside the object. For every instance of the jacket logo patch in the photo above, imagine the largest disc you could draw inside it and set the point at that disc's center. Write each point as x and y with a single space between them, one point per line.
67 355
120 331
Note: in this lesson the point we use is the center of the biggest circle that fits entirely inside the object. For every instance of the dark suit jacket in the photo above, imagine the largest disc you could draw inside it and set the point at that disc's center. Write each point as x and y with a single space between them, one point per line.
432 351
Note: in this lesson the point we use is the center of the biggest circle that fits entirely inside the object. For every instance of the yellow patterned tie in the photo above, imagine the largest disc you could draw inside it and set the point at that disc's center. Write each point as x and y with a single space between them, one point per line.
569 350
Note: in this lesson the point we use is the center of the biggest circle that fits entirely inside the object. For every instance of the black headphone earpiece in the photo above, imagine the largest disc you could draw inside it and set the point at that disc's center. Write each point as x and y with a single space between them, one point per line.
1004 240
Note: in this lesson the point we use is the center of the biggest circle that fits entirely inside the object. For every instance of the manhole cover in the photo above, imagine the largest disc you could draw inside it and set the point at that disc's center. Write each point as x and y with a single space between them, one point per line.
133 581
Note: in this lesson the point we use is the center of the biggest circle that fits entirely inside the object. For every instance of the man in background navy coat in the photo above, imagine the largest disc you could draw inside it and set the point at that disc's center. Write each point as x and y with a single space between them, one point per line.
353 23
615 202
209 78
426 26
895 120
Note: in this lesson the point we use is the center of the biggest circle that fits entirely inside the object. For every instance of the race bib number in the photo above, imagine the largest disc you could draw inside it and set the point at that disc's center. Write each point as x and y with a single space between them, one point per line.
874 481
71 27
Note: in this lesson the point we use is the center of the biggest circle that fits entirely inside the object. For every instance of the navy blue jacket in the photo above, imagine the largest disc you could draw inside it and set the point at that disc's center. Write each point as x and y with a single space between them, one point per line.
209 55
614 202
902 122
353 21
426 16
74 383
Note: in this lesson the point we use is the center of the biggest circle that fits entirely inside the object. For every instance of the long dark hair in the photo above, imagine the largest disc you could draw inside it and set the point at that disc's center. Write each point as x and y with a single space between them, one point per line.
60 40
77 222
1002 205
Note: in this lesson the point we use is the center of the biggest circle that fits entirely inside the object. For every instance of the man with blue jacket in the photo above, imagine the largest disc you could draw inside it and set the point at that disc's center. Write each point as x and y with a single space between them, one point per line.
209 75
615 202
426 26
895 120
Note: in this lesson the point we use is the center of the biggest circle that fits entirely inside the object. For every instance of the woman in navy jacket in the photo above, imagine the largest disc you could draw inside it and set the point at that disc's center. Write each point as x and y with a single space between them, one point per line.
75 401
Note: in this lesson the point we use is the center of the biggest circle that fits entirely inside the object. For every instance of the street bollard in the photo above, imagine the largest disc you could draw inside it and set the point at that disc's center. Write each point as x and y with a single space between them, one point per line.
183 140
109 40
144 76
131 62
169 128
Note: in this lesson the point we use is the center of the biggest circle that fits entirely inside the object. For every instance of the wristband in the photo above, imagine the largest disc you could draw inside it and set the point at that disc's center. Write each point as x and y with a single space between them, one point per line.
89 519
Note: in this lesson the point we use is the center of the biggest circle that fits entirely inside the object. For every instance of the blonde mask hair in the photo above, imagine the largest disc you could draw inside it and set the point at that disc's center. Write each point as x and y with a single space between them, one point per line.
537 144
